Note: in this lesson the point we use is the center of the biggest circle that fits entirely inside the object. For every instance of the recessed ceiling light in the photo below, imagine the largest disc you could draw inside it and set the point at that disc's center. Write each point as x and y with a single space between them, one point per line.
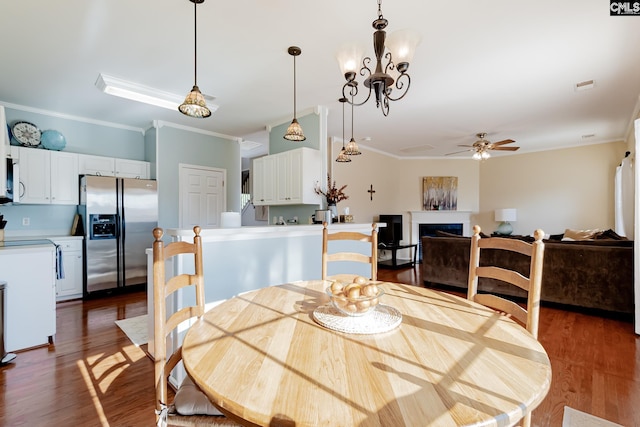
140 93
585 85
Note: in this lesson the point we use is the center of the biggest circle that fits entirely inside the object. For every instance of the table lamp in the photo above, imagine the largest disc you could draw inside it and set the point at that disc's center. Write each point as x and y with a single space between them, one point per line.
504 216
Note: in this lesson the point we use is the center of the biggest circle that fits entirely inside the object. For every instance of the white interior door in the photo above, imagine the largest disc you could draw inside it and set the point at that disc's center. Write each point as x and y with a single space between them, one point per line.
202 196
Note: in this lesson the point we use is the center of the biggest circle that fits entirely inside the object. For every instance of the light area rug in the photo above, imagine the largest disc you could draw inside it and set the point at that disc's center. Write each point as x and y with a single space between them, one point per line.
574 418
135 328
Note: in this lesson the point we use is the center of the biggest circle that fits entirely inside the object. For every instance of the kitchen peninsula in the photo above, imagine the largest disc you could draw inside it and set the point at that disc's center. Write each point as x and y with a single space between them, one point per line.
242 259
28 268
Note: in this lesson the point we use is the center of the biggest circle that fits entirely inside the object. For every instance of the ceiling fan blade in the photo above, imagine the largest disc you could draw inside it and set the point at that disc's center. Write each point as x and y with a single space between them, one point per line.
505 148
505 141
457 152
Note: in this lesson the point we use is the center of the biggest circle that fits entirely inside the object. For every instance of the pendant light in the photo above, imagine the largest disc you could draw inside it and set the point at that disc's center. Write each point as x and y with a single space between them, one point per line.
352 147
194 104
294 131
342 157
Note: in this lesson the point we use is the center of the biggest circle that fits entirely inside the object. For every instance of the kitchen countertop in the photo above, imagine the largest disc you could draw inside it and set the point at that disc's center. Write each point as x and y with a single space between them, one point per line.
30 242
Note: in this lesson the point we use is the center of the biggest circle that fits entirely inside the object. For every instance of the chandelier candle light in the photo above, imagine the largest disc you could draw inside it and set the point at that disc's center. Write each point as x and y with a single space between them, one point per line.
401 47
505 216
194 104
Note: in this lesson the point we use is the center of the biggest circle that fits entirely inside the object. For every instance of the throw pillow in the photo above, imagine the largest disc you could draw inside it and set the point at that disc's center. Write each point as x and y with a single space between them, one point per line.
570 234
610 235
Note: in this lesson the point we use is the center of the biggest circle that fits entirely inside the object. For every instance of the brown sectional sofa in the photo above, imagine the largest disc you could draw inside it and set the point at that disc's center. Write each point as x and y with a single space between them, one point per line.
593 275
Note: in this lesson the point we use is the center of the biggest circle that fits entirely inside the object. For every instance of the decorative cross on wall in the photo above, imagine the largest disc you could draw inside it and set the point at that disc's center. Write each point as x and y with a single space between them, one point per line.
371 191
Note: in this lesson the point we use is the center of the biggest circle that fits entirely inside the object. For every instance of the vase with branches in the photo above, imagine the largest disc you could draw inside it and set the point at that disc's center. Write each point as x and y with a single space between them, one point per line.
332 194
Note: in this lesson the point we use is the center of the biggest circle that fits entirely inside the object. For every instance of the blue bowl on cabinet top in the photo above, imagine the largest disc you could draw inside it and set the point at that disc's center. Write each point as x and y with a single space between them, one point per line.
53 140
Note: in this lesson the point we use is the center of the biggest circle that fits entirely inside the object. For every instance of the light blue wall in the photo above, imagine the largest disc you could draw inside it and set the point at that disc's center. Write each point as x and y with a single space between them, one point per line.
311 127
236 266
87 138
150 154
81 137
175 146
52 219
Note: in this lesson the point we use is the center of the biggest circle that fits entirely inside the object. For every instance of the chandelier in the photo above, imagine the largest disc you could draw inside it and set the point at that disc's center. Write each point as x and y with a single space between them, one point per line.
388 83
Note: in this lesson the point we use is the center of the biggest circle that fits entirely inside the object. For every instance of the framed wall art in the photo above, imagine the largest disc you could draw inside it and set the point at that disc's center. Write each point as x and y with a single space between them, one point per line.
440 193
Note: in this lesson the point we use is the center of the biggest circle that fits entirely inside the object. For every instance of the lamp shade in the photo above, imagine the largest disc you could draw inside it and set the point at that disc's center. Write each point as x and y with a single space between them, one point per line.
505 215
402 45
349 58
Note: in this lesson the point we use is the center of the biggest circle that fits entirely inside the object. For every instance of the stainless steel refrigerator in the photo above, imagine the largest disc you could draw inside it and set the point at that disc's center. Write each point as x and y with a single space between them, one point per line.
119 215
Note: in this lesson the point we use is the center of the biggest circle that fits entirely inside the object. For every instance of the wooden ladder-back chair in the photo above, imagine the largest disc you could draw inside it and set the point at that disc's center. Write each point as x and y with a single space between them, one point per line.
190 406
327 257
528 317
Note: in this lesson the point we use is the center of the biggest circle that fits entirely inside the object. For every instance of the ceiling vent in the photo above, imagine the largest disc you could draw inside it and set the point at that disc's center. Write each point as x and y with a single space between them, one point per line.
585 85
417 149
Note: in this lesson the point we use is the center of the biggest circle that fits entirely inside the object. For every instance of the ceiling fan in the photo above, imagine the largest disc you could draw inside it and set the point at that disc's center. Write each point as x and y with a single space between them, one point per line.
482 147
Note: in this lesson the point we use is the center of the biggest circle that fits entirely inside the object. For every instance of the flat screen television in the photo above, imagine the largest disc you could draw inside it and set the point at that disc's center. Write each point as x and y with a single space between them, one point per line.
392 233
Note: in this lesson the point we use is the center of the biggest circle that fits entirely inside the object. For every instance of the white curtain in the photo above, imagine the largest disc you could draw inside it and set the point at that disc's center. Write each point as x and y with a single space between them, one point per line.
624 198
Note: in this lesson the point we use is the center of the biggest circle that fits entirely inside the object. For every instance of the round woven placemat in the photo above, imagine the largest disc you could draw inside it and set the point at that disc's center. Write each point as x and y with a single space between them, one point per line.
381 319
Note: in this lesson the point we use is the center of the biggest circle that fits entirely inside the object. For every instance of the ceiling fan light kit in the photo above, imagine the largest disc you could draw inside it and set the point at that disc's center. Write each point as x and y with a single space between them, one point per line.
194 104
401 47
482 147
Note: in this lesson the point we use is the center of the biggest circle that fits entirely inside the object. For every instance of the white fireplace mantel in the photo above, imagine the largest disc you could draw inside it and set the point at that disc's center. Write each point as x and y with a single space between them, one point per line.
439 217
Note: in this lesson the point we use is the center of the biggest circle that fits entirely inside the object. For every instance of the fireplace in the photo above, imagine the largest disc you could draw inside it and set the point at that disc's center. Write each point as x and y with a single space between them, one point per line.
432 229
428 222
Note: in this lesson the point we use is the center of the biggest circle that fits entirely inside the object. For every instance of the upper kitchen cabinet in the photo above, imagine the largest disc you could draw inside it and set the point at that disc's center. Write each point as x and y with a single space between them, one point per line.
289 177
126 168
109 166
96 165
48 177
264 181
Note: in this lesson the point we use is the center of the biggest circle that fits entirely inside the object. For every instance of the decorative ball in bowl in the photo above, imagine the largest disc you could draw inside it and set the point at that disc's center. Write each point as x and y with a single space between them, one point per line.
355 299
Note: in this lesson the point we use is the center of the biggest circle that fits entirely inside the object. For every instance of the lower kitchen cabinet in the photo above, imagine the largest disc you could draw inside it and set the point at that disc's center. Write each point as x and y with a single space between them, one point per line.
70 287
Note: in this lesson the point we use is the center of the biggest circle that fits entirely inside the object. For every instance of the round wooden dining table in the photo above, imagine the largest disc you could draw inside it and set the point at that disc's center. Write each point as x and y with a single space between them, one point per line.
264 359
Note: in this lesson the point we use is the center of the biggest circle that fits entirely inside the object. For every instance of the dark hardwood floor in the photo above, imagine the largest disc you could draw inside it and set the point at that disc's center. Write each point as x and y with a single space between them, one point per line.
94 376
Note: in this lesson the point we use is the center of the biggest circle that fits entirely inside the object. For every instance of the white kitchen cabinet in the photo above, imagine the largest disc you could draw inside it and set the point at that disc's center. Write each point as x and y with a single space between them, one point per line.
48 177
70 287
64 178
96 165
30 317
287 178
264 180
126 168
111 166
297 173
